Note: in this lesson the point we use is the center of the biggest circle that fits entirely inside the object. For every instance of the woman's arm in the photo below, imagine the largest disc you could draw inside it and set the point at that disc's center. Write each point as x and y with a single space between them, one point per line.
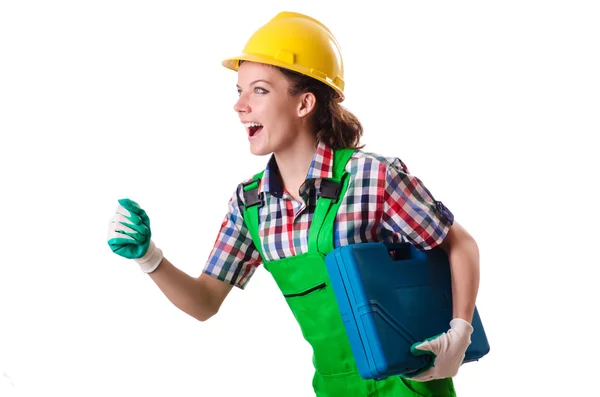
200 297
463 254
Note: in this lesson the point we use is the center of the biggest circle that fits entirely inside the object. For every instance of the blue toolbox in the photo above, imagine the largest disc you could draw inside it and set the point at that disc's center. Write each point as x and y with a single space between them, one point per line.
391 296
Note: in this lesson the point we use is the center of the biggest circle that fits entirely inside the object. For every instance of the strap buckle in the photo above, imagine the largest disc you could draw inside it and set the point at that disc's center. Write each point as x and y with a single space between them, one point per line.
330 189
251 196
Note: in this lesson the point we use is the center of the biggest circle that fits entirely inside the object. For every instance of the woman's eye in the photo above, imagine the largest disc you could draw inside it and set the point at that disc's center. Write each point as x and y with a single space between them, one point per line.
259 90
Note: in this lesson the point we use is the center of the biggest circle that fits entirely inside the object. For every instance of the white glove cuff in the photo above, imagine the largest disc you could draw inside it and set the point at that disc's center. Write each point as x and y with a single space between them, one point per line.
150 261
460 324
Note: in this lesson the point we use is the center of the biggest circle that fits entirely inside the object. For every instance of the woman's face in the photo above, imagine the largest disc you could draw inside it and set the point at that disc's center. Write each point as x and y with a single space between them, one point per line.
270 115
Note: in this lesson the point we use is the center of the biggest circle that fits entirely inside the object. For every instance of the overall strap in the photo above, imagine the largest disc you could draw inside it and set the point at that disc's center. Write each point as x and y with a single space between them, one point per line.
252 202
320 235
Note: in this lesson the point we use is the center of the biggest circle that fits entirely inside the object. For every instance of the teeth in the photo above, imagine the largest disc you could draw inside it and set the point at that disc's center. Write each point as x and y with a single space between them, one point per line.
248 125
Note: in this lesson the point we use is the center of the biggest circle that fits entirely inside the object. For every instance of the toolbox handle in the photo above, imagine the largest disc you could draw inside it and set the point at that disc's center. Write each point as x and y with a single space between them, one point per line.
402 251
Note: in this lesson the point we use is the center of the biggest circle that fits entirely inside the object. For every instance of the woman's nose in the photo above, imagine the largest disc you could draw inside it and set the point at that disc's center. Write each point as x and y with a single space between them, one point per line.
241 106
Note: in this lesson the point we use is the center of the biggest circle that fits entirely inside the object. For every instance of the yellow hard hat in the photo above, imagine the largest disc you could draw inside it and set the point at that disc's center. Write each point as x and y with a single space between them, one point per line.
297 42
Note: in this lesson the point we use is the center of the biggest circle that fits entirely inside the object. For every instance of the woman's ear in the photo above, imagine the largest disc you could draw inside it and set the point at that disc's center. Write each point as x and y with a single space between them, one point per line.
307 104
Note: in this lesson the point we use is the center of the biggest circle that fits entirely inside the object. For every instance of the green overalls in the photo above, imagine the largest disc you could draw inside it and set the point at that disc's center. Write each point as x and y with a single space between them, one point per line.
304 282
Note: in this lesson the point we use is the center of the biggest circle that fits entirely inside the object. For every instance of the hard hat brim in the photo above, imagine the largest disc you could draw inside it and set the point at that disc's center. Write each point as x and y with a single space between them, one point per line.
234 63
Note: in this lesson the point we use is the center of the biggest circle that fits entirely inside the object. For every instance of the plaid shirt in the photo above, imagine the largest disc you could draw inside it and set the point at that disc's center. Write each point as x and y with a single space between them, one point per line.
383 202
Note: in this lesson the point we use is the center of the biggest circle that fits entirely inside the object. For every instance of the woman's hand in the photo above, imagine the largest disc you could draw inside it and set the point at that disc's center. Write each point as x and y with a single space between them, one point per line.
447 349
129 236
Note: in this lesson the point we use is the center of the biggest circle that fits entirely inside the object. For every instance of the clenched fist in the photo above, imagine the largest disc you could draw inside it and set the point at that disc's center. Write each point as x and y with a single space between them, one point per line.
129 236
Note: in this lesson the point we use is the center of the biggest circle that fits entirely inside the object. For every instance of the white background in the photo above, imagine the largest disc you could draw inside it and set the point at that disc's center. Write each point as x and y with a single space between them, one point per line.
492 104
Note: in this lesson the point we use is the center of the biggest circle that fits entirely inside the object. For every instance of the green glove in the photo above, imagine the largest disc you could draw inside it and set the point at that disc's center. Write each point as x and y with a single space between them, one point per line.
129 236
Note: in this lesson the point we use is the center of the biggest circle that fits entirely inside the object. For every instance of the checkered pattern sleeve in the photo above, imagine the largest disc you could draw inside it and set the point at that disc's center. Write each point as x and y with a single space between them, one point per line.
411 211
233 258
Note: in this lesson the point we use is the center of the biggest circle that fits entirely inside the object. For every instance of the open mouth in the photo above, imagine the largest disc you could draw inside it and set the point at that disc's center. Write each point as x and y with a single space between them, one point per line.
253 128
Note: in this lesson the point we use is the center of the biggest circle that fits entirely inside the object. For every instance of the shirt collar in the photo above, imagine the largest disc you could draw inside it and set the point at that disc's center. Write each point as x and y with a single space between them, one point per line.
321 167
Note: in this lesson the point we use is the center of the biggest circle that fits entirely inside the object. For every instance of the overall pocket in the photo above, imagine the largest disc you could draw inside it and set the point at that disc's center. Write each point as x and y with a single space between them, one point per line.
308 291
312 309
318 315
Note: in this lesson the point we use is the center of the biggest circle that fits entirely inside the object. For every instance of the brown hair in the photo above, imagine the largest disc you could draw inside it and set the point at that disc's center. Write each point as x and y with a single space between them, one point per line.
337 127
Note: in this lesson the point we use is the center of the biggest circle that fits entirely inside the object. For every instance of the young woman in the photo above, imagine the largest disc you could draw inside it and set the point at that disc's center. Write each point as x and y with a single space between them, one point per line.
319 191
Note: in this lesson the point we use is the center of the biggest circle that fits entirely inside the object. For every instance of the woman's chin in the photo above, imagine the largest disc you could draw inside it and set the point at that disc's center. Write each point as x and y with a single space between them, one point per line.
258 150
